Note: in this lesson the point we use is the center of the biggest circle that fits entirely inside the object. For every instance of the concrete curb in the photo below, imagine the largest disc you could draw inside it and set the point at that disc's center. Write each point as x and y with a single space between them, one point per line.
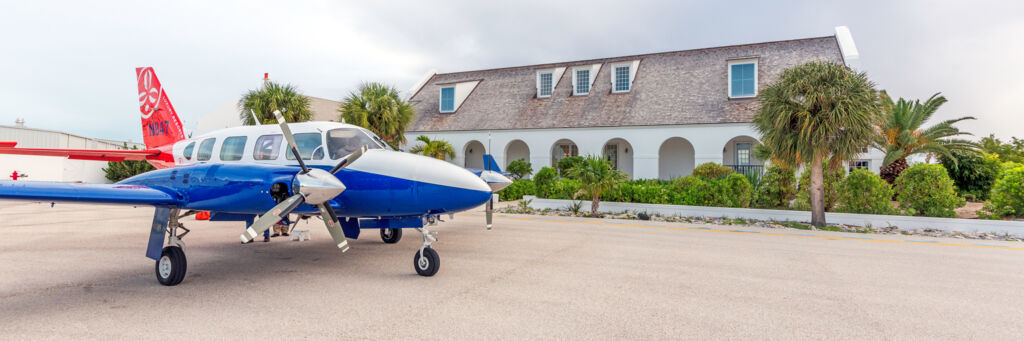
873 220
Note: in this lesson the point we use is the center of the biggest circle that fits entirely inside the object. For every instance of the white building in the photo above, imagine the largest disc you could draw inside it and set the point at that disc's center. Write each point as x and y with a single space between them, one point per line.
48 168
653 115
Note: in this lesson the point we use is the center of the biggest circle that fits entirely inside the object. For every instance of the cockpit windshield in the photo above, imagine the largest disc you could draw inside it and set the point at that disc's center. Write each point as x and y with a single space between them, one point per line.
344 141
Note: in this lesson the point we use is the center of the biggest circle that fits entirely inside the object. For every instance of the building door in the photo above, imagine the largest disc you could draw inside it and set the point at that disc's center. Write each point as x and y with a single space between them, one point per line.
611 154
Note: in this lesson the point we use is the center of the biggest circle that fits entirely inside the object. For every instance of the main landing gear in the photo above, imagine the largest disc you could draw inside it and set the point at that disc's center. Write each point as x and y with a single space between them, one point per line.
172 264
390 236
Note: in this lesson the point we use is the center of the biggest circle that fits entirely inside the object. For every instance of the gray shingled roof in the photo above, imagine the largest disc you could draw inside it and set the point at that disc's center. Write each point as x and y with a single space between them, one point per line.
682 87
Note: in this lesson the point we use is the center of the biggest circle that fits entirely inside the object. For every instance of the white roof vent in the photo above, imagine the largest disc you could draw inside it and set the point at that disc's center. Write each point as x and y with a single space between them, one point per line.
20 122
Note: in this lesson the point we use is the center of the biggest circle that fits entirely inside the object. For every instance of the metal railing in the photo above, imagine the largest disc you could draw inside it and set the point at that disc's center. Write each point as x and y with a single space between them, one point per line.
752 172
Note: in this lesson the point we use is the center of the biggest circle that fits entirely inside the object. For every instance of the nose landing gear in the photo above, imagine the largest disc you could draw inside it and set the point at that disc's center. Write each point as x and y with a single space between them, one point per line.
426 261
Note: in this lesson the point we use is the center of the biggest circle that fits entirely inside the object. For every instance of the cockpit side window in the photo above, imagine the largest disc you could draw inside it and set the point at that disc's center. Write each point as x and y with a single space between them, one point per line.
310 147
267 147
188 150
344 141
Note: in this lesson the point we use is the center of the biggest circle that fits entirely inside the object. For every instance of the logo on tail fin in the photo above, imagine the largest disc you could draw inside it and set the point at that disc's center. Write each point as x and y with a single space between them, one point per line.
149 93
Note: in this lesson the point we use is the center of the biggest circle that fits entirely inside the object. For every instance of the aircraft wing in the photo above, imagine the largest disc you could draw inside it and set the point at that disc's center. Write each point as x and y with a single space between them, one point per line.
81 154
87 193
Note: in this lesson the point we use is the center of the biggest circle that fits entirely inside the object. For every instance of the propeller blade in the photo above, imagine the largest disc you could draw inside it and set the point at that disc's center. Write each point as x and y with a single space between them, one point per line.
333 226
272 217
291 139
349 159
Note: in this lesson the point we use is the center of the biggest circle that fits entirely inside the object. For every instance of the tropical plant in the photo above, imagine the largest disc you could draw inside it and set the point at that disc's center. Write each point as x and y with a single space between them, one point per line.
438 149
120 170
380 109
545 181
520 169
273 96
864 191
1008 194
1007 152
926 189
973 173
815 111
596 176
830 180
902 135
776 188
567 163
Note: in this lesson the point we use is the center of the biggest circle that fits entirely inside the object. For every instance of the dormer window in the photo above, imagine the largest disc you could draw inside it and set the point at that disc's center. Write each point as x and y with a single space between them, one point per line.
581 82
743 78
545 84
448 99
620 78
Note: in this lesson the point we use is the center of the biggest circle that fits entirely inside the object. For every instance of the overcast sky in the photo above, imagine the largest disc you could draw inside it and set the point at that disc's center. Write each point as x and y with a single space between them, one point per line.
69 66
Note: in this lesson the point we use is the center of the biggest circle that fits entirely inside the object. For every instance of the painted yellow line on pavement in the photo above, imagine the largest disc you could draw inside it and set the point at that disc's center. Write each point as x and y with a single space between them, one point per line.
754 233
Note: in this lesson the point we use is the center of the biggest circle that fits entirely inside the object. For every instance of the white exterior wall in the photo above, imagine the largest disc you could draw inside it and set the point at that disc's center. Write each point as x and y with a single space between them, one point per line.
708 142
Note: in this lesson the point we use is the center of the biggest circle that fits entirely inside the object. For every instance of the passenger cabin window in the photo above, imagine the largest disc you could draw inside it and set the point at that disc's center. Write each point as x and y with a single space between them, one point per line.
344 141
231 149
742 78
267 147
206 149
310 147
188 150
448 99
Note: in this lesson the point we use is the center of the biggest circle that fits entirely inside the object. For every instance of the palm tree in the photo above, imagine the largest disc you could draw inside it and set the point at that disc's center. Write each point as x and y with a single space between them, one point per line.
815 111
380 109
902 135
438 149
273 96
596 176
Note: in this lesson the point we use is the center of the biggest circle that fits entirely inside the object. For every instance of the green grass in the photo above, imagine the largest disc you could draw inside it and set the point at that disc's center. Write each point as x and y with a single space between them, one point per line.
795 225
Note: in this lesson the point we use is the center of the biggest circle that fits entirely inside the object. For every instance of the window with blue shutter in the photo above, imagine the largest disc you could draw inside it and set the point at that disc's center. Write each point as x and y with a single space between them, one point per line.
448 99
742 82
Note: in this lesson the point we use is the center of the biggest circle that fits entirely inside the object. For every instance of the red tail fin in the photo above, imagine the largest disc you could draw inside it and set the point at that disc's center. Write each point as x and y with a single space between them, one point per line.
160 123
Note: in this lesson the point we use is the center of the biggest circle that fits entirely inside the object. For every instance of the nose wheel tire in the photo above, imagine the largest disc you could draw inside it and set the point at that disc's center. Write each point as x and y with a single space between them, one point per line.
391 236
170 268
427 264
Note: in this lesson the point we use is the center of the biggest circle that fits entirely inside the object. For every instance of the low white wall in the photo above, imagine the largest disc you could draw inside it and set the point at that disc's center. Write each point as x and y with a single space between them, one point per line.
874 220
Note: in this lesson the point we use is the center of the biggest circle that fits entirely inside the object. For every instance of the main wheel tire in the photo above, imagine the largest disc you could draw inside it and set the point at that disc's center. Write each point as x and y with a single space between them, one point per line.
170 268
428 264
391 236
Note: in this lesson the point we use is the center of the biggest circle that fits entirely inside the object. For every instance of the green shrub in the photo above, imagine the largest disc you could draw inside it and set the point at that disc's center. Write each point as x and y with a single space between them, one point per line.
520 169
972 173
927 189
1008 194
736 190
832 177
864 192
1007 166
545 181
517 189
639 192
776 188
567 163
712 170
565 188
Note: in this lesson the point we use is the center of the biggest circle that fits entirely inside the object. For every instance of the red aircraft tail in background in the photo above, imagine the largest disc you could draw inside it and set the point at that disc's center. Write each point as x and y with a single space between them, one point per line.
160 123
161 128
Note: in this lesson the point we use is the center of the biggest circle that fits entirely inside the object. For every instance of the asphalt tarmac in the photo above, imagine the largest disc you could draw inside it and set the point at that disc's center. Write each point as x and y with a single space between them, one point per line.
79 271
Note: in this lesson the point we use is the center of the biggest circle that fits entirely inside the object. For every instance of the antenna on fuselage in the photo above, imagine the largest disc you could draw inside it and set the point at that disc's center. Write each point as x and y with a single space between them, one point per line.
254 119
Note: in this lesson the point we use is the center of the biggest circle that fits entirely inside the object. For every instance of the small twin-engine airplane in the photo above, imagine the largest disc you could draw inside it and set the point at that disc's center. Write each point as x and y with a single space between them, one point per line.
262 174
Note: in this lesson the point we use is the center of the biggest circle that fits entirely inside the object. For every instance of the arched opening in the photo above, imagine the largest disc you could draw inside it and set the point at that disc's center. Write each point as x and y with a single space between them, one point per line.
473 155
619 153
675 158
738 153
562 149
515 150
